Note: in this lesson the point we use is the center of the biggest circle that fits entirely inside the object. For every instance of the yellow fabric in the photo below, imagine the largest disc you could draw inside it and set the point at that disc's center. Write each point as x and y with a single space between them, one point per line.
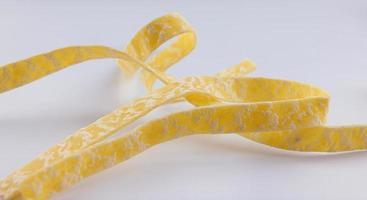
279 113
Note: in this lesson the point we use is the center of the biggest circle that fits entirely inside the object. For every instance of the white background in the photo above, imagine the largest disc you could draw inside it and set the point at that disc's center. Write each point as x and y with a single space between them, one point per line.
318 42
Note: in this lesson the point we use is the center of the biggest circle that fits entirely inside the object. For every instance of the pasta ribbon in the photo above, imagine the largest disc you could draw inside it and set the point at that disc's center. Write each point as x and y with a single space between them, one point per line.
279 113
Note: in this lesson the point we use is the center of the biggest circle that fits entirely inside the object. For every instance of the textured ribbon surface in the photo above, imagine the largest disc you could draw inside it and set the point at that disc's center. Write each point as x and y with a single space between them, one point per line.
279 113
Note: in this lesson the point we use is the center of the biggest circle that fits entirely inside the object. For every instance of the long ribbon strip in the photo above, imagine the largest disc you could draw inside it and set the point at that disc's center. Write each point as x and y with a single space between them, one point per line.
279 113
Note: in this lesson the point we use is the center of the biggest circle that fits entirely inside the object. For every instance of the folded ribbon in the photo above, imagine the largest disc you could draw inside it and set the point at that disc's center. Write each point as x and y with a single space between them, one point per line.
278 113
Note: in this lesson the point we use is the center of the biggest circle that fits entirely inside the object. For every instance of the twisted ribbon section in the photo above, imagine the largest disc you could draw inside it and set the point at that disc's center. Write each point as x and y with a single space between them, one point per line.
278 113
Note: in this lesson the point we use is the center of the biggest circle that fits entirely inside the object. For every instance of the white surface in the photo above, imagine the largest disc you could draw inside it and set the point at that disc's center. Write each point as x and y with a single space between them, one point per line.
319 42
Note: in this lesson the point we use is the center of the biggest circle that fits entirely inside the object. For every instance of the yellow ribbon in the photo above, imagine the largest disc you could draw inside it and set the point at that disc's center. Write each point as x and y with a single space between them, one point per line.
279 113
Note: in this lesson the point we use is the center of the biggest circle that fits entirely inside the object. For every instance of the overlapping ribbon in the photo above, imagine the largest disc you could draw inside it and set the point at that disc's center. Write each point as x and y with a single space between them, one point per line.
279 113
